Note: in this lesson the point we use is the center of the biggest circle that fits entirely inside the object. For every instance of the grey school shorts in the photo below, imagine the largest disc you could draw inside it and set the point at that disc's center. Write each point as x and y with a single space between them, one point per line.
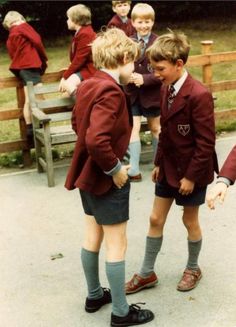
109 208
30 75
196 198
138 110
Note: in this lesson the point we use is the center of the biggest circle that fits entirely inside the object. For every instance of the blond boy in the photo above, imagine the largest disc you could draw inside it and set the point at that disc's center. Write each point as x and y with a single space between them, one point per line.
81 67
101 120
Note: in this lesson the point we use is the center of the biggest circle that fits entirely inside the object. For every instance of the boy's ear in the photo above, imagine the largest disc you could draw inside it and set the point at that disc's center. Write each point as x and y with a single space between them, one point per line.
180 63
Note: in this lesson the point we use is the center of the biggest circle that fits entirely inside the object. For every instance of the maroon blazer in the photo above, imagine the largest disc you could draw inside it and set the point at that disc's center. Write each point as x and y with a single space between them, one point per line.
127 27
229 167
186 145
80 53
103 123
148 94
25 48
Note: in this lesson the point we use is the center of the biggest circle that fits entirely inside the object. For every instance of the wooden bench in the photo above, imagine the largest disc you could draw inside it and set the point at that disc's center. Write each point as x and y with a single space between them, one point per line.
51 117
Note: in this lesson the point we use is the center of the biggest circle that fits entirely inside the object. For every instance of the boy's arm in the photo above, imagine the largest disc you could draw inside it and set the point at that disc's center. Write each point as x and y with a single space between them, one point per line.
83 50
203 129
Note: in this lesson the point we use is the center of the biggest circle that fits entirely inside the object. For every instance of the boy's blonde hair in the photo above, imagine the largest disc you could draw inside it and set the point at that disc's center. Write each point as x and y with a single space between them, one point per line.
11 18
115 3
170 47
111 47
80 14
143 11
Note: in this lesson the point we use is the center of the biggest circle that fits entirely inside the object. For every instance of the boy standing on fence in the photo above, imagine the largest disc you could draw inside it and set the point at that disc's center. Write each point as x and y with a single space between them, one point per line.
102 122
185 160
143 88
121 20
29 59
81 66
227 177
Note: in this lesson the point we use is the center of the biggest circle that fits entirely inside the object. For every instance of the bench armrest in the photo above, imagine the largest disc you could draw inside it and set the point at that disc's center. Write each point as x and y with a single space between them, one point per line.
40 115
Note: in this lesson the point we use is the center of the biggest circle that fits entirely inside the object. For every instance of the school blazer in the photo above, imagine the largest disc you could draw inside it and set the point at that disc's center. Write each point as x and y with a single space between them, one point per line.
102 120
25 48
148 94
229 167
126 27
187 140
80 53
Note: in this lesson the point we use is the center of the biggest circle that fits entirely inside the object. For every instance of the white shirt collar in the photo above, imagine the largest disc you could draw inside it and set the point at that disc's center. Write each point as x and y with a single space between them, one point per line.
180 82
113 73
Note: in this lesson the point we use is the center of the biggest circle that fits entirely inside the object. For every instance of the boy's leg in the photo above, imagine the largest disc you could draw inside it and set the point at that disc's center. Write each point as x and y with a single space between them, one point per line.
147 276
97 296
135 149
122 313
192 273
26 109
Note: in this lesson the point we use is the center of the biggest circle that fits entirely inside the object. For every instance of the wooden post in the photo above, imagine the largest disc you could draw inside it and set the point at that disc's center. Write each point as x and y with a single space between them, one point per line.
20 95
207 69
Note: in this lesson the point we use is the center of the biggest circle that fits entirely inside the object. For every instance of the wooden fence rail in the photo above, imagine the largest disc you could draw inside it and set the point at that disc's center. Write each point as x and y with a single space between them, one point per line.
205 60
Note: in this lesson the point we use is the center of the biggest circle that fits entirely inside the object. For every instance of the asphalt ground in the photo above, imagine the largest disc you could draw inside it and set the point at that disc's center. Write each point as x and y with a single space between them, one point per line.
41 278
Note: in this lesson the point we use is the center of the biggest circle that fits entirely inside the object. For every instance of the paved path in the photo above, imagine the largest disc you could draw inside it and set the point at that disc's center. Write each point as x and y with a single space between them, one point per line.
37 223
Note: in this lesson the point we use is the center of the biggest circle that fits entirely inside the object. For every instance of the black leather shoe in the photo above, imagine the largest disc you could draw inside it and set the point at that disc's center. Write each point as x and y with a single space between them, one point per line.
136 316
93 305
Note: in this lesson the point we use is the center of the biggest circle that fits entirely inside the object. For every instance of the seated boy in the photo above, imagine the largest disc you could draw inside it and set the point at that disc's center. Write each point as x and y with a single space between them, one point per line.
81 67
143 88
227 177
29 59
101 120
185 160
121 20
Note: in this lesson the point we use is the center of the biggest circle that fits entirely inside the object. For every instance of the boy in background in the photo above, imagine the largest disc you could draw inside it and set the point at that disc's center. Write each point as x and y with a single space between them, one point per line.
28 57
81 67
102 122
143 88
185 160
120 19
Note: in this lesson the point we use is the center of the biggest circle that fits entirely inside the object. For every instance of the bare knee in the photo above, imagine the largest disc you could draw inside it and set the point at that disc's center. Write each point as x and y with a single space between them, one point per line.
156 221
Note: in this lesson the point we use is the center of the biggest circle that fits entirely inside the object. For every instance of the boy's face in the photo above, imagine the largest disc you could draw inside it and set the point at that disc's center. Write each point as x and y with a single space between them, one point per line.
71 26
125 72
122 9
166 71
143 26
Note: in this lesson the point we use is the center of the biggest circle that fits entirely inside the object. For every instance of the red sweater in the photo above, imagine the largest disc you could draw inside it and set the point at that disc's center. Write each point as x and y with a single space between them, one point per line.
127 27
25 48
80 53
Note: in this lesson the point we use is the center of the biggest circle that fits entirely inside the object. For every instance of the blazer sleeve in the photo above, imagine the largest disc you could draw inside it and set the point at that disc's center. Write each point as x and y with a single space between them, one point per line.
204 134
229 167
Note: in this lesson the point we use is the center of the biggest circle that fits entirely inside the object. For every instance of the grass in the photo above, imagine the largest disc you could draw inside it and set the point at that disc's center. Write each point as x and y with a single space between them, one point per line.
222 35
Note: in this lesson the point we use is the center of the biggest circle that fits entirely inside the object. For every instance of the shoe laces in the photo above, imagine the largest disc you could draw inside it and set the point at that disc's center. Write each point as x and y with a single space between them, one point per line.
136 306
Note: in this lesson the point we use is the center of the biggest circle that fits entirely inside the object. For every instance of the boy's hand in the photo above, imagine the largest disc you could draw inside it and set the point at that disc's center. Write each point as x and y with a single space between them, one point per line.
61 86
218 191
155 173
137 79
186 186
121 177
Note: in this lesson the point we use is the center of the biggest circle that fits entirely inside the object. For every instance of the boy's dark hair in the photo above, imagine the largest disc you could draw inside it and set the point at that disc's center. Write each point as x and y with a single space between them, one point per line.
170 47
114 3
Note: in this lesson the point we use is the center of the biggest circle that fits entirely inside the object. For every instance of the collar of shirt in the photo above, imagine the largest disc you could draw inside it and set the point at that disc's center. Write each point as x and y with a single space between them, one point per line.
77 31
124 19
144 38
180 82
113 73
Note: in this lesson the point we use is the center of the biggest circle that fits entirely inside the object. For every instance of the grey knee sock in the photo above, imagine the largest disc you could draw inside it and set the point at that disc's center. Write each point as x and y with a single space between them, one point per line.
90 266
154 146
134 151
116 277
194 248
153 246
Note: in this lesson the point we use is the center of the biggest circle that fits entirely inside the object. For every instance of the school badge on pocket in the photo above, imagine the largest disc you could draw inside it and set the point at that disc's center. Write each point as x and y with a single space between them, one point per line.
184 129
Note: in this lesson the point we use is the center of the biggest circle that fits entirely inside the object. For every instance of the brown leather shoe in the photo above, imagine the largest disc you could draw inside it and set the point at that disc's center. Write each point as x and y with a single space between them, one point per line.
137 283
136 178
189 280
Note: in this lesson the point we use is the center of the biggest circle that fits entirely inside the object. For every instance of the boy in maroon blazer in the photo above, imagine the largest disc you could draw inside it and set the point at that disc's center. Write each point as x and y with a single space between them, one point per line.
226 177
102 122
121 20
185 159
29 59
81 66
144 87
